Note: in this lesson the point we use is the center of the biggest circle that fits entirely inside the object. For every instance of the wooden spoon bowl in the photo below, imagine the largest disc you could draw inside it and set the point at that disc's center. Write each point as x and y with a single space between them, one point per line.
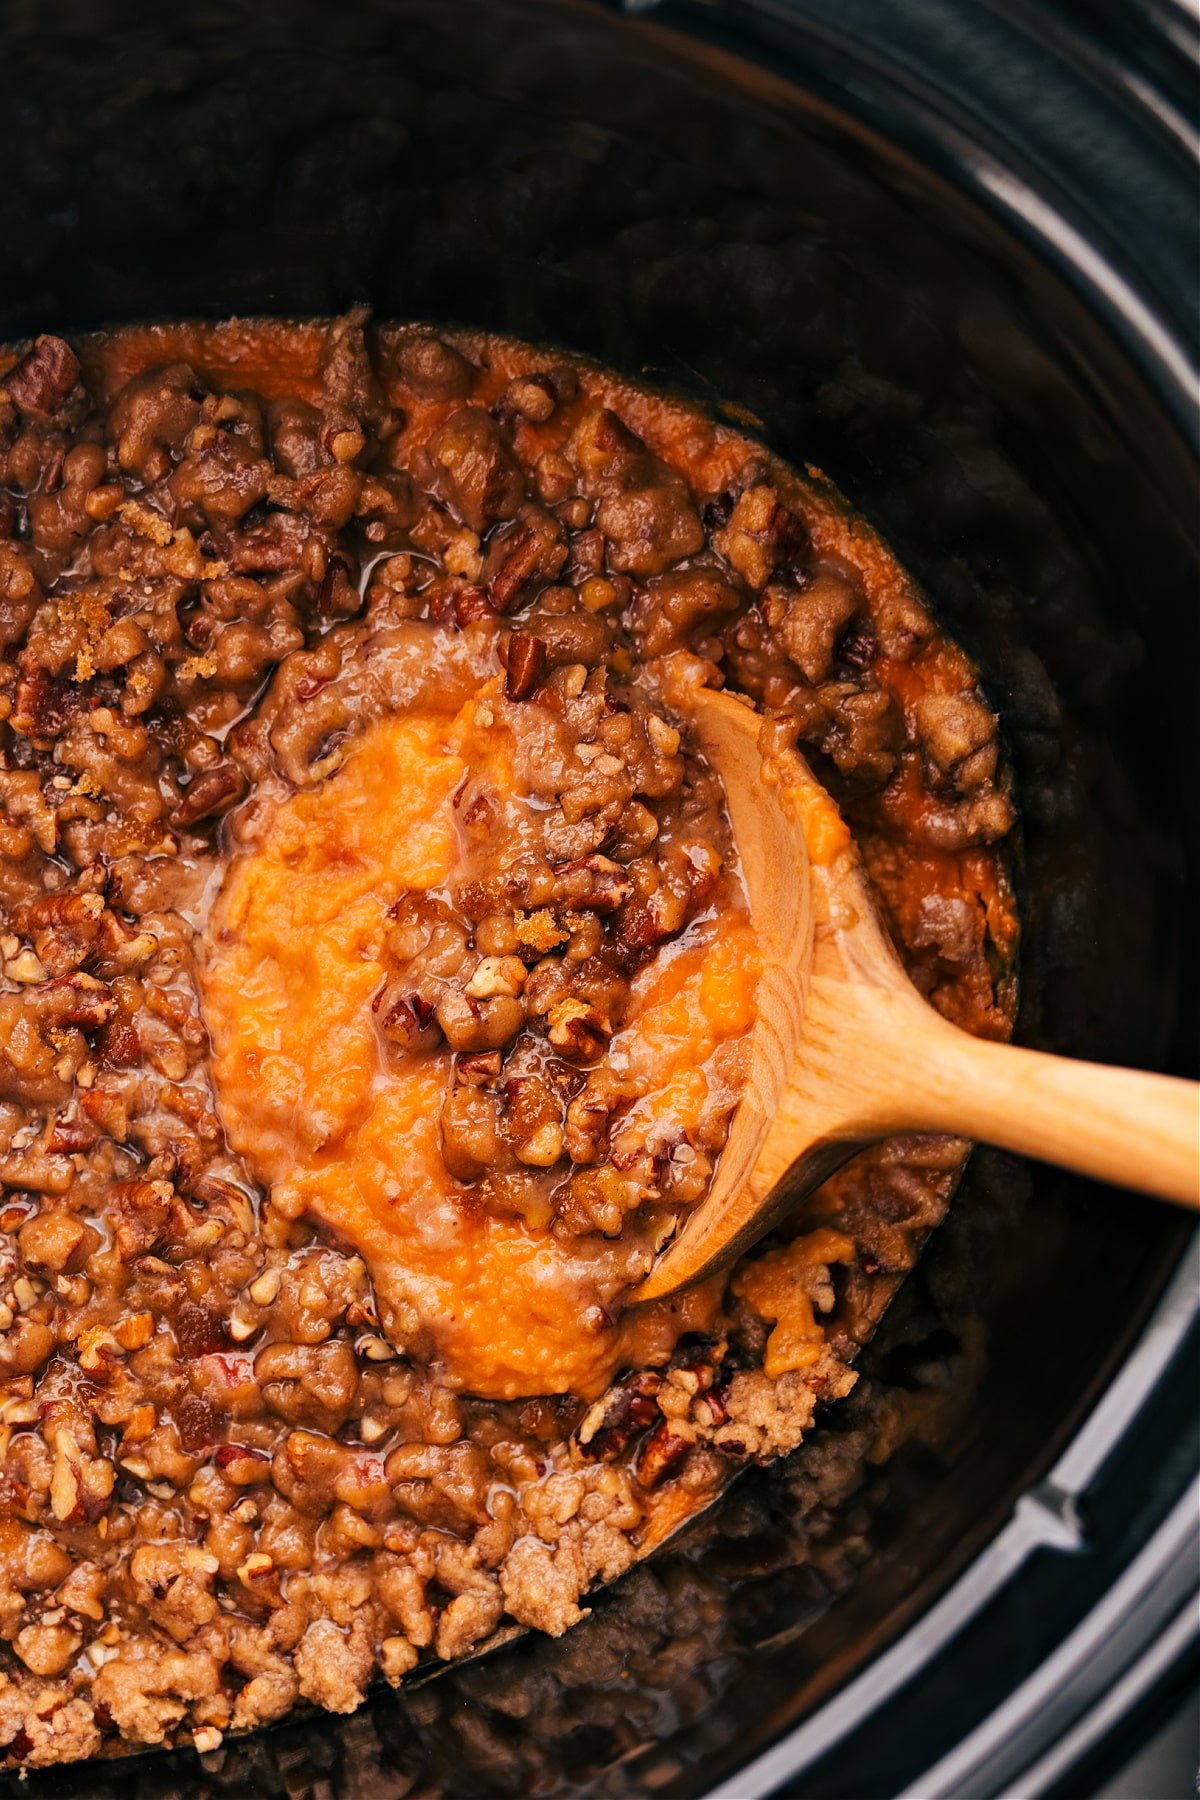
846 1051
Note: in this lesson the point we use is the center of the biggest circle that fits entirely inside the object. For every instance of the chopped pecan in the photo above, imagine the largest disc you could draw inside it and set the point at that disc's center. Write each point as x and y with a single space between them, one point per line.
469 1131
432 367
471 604
713 1406
479 1024
594 883
270 545
108 1110
650 528
55 1240
473 469
338 596
69 1135
577 1030
405 1018
526 665
242 1464
530 552
140 1211
64 928
663 1451
762 535
44 377
197 1422
590 1113
212 791
477 1069
814 620
348 375
42 707
627 1410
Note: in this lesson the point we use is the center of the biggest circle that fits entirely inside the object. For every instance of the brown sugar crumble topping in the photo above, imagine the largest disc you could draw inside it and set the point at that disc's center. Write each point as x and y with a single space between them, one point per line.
375 981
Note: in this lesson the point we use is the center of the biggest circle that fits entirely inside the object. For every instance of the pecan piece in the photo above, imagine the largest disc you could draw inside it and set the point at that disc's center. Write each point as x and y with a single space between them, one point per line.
212 791
479 1024
530 552
109 1112
42 707
478 1068
471 604
590 1113
609 1427
592 882
469 1135
762 535
473 470
856 649
139 1212
269 546
664 1451
64 928
44 377
69 1135
405 1018
526 665
713 1405
79 999
338 595
225 1456
576 1030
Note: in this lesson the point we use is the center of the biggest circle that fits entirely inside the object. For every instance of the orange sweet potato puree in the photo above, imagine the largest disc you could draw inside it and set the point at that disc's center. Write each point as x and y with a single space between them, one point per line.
350 1138
775 1287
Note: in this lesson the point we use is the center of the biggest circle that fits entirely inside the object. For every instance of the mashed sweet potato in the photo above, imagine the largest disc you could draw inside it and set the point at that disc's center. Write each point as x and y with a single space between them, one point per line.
339 1128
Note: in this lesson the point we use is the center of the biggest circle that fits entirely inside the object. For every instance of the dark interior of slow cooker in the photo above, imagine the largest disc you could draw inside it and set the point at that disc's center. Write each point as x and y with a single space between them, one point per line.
553 171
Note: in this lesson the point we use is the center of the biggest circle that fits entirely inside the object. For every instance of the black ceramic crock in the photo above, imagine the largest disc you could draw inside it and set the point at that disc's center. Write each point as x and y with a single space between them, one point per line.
946 249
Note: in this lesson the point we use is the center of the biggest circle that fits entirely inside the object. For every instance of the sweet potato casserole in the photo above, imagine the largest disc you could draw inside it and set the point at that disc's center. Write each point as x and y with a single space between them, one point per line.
377 978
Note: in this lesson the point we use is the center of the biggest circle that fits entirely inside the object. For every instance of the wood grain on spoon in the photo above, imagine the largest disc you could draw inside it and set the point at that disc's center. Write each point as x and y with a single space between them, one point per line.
846 1050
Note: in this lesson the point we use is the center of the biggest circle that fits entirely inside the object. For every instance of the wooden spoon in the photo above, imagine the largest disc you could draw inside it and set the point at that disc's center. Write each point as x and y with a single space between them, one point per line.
845 1050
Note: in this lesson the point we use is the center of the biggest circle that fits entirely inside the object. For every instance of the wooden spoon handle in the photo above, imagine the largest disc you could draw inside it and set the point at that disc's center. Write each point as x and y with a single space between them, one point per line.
1121 1125
846 1051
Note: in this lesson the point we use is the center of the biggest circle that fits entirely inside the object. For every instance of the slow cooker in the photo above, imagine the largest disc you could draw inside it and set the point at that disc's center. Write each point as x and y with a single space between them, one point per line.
946 250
